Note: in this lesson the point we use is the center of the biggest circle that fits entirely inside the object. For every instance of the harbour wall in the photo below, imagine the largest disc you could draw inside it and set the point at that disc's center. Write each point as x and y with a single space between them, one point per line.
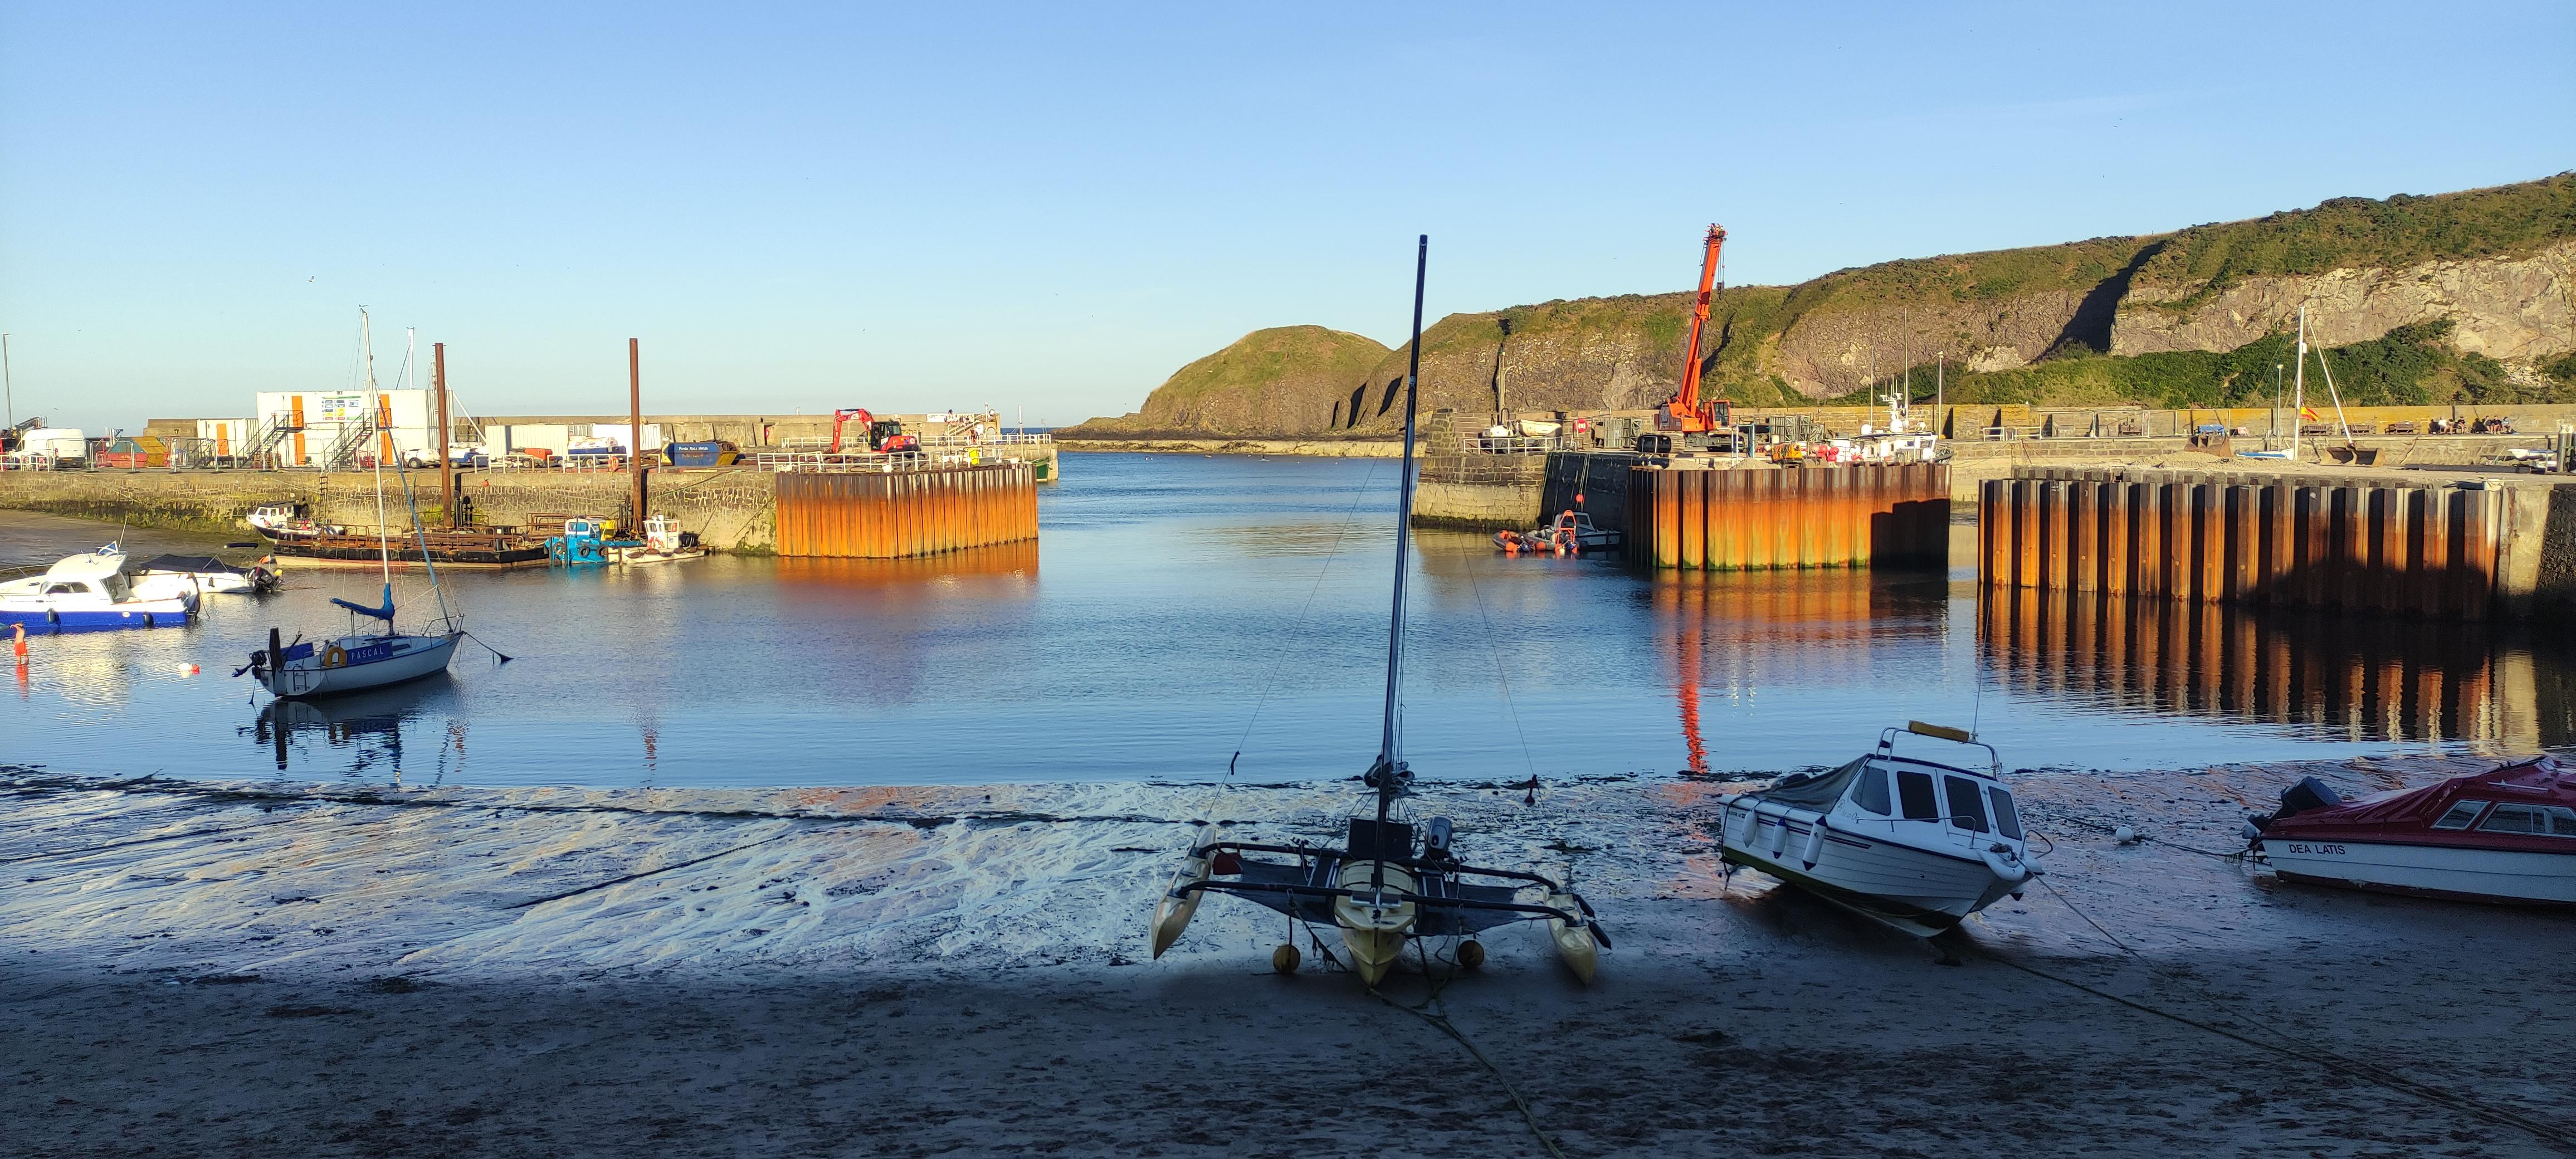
1756 517
896 515
2390 543
731 509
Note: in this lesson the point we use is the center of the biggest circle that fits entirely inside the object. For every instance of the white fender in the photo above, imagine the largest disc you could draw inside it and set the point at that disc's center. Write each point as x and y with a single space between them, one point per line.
2007 868
1780 836
1815 849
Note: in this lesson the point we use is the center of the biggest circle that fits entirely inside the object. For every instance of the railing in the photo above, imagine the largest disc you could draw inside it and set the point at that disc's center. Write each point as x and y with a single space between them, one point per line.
862 462
27 461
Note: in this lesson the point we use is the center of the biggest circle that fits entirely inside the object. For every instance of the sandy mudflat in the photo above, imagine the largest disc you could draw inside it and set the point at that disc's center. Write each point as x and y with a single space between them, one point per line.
277 969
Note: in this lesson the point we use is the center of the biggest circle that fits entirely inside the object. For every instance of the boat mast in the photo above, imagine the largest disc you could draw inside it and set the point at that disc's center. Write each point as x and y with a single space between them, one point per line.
384 548
1390 754
2299 385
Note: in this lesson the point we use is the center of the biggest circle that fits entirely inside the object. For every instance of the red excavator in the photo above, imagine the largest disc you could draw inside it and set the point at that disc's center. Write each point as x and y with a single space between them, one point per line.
883 435
1689 422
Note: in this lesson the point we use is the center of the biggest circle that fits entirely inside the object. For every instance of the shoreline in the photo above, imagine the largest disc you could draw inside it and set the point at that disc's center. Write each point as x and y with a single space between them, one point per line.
275 968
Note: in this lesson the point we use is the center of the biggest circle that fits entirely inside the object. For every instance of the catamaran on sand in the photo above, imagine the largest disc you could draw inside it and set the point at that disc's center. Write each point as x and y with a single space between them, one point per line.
1394 881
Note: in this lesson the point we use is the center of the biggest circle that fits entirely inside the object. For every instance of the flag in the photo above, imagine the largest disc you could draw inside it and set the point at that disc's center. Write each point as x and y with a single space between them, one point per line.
2310 414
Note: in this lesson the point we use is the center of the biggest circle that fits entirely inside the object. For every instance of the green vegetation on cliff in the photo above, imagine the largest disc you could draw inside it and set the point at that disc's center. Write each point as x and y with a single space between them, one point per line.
2409 366
2357 232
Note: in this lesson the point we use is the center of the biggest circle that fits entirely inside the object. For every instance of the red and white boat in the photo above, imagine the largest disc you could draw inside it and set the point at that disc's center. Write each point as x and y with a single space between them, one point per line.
2507 835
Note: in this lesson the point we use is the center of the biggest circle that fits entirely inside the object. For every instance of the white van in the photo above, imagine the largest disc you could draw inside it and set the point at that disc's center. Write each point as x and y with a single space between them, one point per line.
65 444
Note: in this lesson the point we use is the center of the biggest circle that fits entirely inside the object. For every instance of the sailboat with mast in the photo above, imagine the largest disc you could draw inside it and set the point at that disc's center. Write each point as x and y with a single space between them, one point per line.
1392 882
374 655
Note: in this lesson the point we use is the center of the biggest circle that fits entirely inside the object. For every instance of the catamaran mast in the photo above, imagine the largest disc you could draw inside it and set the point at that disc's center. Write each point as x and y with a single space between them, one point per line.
1390 753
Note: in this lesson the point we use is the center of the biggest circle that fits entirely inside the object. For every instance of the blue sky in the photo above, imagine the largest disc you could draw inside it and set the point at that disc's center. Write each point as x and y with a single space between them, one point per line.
1053 207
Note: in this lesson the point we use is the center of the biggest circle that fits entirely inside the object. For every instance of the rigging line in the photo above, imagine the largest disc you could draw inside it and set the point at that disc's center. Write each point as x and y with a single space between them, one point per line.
1501 678
1273 682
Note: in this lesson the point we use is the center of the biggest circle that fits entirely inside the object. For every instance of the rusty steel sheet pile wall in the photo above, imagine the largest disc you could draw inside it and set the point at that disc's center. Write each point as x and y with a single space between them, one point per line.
1738 520
893 515
2353 545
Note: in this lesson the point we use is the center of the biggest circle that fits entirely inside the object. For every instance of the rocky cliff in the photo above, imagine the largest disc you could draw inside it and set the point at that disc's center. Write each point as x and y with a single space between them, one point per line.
2489 273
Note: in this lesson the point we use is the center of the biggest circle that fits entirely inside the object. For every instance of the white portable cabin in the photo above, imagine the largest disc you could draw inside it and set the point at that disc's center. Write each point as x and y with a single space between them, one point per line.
321 420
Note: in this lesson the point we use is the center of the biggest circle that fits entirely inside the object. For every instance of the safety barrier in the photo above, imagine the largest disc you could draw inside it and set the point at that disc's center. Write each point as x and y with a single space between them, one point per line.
1856 516
2316 543
895 514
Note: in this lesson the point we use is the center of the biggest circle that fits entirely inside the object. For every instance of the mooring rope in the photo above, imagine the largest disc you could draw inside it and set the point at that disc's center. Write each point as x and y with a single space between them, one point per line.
1441 1020
2553 1134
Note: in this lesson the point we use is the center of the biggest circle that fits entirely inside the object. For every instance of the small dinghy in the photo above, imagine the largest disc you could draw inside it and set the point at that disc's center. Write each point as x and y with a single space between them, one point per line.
290 521
211 575
1915 843
97 589
1392 881
1571 534
2505 835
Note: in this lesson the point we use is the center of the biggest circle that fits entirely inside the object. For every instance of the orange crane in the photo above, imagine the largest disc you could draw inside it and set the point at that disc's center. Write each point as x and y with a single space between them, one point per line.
1687 415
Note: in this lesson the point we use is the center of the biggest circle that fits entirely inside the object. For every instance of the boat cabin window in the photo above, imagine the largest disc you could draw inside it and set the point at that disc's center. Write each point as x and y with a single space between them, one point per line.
1870 790
2007 820
2547 820
63 589
1914 790
2462 812
1967 805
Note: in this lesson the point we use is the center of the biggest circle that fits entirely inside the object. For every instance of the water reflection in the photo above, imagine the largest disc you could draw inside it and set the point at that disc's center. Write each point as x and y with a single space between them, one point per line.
2330 676
361 733
1725 637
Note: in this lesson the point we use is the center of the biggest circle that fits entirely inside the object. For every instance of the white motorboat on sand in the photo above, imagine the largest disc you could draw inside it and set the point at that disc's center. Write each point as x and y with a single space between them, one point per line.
1912 842
2504 835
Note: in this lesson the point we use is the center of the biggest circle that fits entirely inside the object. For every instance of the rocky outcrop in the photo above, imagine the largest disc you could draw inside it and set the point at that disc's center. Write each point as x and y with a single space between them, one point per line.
1277 381
2520 309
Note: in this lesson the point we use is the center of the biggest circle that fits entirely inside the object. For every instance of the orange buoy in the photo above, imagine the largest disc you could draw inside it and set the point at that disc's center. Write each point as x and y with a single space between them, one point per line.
18 645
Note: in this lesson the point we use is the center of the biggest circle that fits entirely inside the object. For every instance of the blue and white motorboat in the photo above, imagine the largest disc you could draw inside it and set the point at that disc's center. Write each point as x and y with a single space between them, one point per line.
97 589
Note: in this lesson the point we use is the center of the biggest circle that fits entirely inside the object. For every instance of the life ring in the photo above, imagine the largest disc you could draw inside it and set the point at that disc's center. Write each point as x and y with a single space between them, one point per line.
335 656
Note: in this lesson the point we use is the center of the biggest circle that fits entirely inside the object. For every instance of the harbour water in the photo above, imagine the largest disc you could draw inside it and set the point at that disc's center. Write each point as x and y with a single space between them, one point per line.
1181 609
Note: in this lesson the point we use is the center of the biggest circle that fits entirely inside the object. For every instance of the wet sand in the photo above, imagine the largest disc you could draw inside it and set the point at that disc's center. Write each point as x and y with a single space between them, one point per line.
278 969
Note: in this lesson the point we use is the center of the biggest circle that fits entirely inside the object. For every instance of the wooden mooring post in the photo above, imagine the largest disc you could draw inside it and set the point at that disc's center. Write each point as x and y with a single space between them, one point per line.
2394 547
